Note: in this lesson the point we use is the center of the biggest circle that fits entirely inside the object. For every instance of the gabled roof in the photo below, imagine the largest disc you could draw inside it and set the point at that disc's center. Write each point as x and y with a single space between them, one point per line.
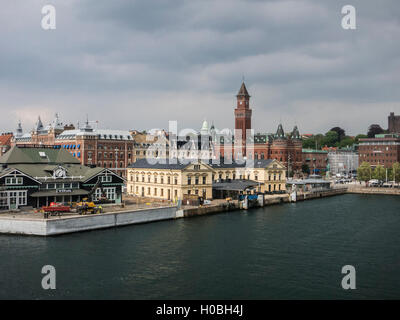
27 155
280 134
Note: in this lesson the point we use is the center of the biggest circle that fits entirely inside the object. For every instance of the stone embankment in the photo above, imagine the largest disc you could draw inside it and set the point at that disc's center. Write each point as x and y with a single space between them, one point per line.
353 188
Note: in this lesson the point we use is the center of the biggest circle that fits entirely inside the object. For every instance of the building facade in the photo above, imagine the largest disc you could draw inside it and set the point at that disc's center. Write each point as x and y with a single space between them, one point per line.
342 161
270 174
243 117
169 181
283 147
175 181
383 150
316 160
37 175
112 149
393 123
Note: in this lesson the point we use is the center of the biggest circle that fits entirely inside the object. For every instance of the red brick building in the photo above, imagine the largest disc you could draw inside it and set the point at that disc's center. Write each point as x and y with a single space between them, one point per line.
111 149
384 149
243 115
393 123
316 160
286 148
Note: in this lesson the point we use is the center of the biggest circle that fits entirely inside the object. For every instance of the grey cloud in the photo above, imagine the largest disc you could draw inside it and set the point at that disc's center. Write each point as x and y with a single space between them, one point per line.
152 61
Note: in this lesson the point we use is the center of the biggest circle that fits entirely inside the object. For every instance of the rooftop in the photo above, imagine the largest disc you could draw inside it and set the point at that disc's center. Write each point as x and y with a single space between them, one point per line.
37 155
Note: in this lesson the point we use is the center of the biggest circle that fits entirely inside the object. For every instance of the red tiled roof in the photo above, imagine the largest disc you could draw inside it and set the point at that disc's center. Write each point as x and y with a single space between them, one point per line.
5 139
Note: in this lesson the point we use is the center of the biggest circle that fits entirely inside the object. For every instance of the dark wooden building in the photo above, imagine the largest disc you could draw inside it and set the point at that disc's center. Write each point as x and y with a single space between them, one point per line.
37 175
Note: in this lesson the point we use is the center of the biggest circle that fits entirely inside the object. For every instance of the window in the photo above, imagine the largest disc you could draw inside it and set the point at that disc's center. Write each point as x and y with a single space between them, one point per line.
110 193
189 180
196 167
196 181
15 180
105 178
204 180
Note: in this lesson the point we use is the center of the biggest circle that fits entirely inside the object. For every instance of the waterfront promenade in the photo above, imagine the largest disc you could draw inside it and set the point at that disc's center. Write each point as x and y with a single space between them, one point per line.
31 223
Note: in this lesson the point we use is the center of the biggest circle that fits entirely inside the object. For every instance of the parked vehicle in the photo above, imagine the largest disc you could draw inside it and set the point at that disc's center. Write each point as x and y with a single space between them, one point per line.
54 208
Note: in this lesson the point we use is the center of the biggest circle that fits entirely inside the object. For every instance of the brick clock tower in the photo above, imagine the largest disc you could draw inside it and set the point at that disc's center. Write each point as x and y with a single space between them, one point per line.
243 114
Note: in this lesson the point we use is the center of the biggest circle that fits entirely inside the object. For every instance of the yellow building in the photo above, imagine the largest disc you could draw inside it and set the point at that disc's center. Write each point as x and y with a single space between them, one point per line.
169 181
270 173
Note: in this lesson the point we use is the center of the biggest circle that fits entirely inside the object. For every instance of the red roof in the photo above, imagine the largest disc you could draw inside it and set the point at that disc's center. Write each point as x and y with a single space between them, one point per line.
5 139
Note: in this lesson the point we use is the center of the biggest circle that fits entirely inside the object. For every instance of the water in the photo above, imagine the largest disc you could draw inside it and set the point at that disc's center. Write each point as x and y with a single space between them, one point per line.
291 251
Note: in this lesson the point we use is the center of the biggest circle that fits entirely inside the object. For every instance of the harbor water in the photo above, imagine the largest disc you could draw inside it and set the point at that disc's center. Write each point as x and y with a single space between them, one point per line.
287 251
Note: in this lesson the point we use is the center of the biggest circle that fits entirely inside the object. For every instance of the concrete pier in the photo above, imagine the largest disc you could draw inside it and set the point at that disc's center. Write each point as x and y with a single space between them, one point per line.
370 190
62 225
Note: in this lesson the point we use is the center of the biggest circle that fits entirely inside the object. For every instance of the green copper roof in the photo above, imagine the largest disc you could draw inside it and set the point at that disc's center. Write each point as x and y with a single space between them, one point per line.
313 151
40 155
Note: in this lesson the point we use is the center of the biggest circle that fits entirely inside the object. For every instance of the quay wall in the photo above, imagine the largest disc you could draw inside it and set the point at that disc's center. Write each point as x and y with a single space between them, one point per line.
320 194
199 211
369 190
23 226
57 226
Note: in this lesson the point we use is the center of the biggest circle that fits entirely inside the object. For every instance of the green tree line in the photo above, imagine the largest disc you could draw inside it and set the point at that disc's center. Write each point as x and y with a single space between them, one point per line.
365 172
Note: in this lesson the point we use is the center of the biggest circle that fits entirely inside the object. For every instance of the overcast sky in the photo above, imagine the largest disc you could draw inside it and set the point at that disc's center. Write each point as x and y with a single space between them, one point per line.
139 64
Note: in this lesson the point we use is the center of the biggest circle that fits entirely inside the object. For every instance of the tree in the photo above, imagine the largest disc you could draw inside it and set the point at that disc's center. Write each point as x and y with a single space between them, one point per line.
364 172
341 133
396 171
305 168
360 136
309 143
379 173
373 130
346 142
331 139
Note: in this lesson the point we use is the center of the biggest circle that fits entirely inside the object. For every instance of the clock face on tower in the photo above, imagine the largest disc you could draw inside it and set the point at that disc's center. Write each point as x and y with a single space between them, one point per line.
59 173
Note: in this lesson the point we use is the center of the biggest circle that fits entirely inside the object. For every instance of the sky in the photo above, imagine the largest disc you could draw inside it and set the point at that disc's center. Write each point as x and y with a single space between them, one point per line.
139 64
